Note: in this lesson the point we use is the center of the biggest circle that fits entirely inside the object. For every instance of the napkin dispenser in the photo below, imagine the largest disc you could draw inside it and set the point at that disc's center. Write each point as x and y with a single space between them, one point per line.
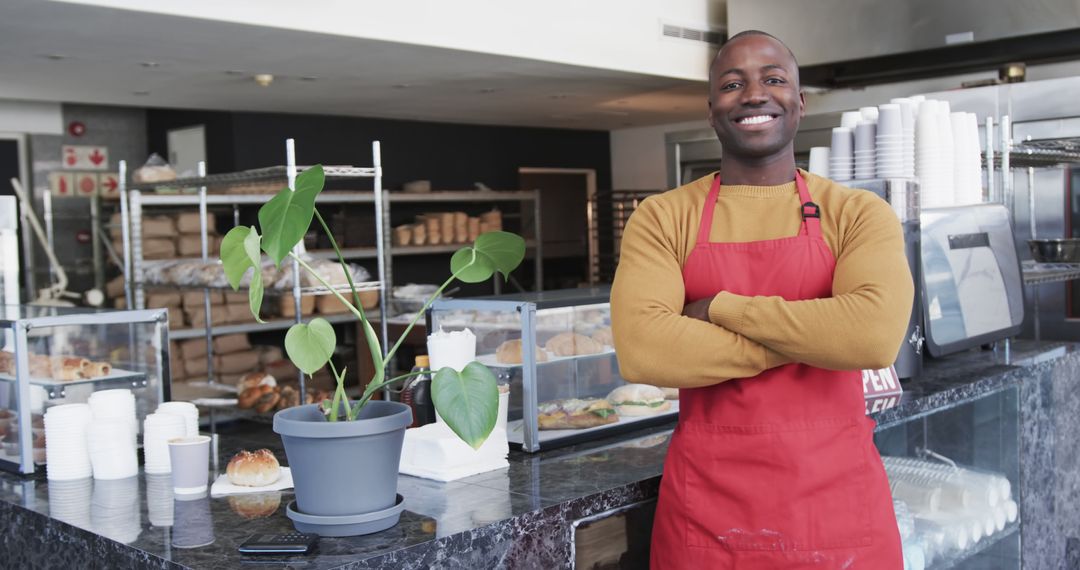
973 291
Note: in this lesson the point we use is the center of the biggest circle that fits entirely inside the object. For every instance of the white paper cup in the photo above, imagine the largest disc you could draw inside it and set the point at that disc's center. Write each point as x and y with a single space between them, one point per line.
190 461
819 160
842 143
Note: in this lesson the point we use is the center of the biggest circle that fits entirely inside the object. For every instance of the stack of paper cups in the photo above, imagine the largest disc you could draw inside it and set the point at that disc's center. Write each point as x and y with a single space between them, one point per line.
158 429
841 154
115 405
66 453
186 410
112 449
819 161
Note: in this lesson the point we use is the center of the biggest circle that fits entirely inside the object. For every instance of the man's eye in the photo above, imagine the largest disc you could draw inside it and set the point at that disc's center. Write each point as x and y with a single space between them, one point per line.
729 86
775 81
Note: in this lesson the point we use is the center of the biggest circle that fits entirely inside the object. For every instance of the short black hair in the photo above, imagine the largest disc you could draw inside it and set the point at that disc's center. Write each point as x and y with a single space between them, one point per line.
745 33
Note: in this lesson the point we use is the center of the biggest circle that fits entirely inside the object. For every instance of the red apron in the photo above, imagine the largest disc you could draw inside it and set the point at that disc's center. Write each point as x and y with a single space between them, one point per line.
779 470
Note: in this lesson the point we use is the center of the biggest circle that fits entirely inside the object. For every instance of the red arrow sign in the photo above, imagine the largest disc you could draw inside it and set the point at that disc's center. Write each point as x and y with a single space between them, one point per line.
96 157
110 184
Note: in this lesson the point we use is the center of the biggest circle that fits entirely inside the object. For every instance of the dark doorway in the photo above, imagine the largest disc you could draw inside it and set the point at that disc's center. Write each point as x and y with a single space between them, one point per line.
564 221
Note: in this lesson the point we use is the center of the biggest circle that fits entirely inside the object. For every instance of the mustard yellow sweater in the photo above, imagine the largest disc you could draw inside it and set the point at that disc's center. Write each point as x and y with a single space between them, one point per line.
860 326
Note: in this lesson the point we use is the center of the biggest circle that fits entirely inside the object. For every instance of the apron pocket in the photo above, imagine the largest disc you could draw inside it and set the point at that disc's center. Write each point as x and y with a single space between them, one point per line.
780 488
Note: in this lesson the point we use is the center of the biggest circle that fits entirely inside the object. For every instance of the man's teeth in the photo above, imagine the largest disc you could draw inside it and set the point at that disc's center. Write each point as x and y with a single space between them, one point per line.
756 120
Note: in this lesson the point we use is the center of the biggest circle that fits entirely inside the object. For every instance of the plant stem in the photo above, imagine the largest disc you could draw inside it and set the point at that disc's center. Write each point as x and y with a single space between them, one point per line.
341 260
337 396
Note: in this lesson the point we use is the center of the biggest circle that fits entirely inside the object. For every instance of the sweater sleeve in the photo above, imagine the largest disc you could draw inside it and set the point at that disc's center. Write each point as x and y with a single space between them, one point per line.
654 343
862 325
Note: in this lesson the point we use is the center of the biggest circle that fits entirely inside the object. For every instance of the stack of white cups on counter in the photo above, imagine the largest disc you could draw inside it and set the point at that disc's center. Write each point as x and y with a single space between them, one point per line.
909 109
841 159
819 161
158 429
186 410
889 142
933 155
111 434
967 169
66 454
865 154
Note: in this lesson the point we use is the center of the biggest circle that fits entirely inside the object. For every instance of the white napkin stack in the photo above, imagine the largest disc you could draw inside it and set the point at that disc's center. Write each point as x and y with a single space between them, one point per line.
67 456
158 429
435 452
222 486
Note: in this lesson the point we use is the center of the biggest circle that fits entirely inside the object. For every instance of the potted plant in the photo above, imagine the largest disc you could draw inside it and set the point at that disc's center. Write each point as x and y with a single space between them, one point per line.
344 454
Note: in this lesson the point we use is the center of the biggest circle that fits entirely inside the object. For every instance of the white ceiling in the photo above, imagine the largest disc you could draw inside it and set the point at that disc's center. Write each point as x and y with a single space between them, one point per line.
104 52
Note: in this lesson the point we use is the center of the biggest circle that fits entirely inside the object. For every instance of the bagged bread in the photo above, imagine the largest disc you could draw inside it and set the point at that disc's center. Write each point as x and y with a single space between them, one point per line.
236 363
159 248
162 299
229 343
192 348
188 223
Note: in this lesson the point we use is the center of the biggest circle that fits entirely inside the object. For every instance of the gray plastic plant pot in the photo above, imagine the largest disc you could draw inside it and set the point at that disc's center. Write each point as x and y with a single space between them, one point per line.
344 468
355 525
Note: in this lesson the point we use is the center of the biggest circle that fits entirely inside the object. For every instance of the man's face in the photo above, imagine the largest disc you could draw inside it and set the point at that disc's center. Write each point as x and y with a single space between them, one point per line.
754 99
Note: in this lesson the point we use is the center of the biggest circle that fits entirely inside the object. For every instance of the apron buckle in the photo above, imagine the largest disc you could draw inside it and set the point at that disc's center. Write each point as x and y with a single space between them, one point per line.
811 210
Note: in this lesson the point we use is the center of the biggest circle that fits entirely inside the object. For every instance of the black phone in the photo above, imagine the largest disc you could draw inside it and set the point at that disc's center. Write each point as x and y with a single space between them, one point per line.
291 543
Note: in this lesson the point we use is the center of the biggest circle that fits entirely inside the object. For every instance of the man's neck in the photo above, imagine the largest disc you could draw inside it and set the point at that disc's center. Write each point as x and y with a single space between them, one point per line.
771 171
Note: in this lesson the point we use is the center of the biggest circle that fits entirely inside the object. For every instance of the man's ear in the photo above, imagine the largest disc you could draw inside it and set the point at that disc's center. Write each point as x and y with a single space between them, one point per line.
802 103
708 114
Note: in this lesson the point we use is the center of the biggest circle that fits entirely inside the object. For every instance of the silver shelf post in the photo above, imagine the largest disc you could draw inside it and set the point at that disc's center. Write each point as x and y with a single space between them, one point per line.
290 164
382 234
208 326
1006 172
125 237
990 196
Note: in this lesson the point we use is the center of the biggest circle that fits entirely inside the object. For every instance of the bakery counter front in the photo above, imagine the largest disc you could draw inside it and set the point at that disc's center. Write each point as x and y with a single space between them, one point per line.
1007 420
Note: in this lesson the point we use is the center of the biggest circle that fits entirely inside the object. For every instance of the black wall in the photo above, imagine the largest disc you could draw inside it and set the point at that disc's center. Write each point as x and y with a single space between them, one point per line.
452 156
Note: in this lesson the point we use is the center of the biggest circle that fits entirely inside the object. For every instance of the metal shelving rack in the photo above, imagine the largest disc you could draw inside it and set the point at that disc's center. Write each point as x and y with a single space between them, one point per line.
132 203
602 264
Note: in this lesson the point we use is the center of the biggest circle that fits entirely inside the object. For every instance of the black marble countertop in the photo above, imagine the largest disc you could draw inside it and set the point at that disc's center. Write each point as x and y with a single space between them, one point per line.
514 517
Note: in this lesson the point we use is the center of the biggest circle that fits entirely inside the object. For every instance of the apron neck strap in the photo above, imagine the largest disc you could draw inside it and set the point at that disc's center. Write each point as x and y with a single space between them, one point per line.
811 213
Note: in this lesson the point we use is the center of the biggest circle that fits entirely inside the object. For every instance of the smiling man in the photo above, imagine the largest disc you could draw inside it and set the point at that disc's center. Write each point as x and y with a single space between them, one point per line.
761 297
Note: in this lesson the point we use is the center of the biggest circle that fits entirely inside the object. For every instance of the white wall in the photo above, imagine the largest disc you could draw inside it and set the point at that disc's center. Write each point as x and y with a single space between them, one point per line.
621 35
31 117
638 155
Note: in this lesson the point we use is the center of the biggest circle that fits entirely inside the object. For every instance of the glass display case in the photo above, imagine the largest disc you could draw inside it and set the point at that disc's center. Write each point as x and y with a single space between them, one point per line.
955 478
559 390
61 355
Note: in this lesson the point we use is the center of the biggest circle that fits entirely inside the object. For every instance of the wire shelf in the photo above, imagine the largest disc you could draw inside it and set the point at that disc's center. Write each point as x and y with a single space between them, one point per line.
256 175
1040 273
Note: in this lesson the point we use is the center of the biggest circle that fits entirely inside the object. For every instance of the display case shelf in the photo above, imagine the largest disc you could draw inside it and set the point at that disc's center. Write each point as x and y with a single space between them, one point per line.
1041 273
491 361
116 379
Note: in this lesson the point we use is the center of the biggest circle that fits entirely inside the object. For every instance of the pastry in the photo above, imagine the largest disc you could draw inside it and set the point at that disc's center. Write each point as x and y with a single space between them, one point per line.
576 413
572 344
68 367
255 505
40 366
603 336
253 379
638 400
509 352
248 397
267 401
7 362
289 397
253 469
97 369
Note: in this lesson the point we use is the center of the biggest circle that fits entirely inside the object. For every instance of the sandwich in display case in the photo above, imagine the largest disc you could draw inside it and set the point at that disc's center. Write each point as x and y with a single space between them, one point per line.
566 388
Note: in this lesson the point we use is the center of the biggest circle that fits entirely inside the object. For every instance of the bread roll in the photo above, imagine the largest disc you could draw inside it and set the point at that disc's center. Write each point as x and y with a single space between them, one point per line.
603 336
253 469
572 344
509 352
253 379
97 369
68 367
267 401
248 397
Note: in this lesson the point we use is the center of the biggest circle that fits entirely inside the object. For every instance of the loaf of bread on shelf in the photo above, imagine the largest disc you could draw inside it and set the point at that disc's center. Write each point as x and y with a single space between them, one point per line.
253 379
96 369
509 352
572 344
250 396
189 223
7 362
289 397
229 343
253 468
268 401
575 413
603 336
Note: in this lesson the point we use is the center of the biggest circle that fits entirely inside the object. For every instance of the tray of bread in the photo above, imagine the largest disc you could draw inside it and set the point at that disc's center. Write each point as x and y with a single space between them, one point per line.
563 346
64 370
625 405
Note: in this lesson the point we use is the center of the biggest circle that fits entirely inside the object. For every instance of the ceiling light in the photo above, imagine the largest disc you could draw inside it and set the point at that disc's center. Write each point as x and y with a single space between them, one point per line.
140 93
488 90
402 85
56 56
234 72
558 96
149 63
264 79
309 78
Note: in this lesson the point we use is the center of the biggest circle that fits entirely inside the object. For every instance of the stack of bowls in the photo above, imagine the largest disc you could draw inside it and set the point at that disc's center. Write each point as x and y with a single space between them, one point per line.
819 161
186 410
112 449
841 159
933 163
889 142
66 454
158 429
865 155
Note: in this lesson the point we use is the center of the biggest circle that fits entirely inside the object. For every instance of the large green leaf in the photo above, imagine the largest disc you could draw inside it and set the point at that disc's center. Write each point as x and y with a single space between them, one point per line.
286 217
468 401
255 289
310 345
492 251
234 256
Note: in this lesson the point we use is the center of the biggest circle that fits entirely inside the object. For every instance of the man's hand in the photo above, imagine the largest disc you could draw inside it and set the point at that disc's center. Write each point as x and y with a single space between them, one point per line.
698 309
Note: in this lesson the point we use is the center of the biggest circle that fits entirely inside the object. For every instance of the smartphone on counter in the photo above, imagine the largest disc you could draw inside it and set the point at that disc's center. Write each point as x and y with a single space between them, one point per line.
278 544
